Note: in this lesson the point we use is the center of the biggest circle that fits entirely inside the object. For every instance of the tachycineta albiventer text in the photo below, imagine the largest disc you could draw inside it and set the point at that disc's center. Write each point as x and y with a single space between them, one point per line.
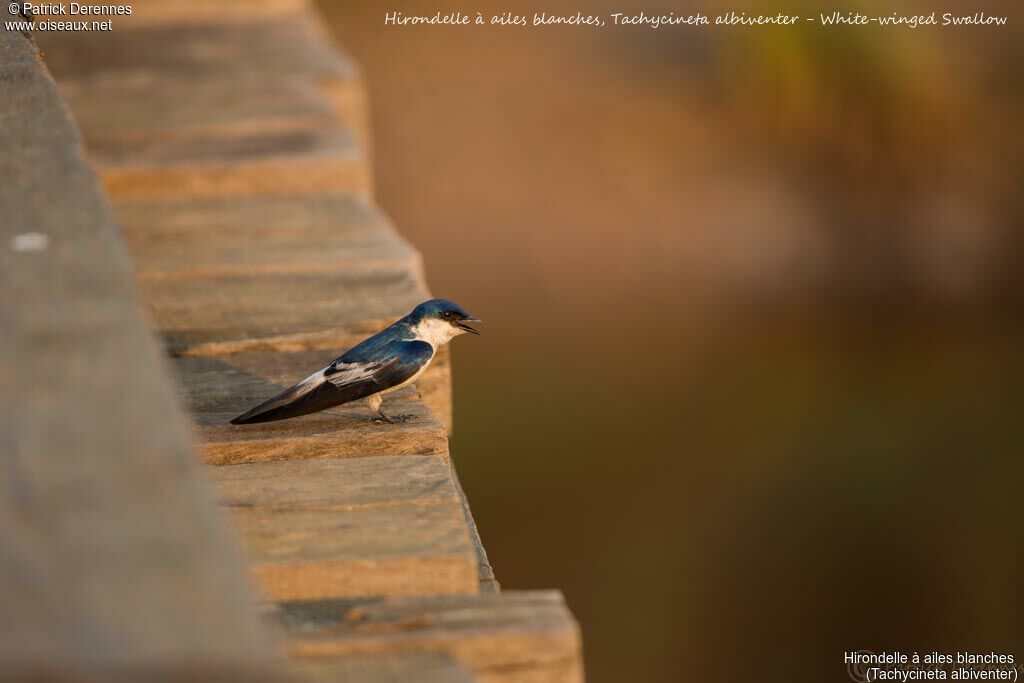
385 362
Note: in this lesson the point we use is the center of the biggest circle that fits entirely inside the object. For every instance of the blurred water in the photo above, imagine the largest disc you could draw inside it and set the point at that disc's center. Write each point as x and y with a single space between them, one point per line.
748 388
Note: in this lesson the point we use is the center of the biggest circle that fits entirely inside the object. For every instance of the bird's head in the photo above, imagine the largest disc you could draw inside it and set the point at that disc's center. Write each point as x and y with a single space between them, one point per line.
439 320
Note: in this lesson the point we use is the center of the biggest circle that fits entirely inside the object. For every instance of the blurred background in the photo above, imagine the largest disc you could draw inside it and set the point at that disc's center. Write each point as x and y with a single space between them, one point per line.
749 388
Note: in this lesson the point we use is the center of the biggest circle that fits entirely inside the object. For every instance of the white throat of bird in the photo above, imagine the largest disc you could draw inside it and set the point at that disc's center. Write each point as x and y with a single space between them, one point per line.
436 332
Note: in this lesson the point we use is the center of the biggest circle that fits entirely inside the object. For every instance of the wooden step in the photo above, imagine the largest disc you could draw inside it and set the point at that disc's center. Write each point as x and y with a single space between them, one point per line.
405 667
293 44
311 161
346 528
166 44
521 637
141 105
217 389
257 235
298 134
275 310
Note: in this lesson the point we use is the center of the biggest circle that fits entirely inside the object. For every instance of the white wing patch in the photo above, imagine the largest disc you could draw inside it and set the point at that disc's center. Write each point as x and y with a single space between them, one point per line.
345 374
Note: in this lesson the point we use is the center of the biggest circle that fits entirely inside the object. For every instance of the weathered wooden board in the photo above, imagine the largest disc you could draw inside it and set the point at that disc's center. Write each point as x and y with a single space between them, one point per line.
524 637
217 389
194 56
300 150
282 144
118 107
402 550
295 43
260 235
345 528
404 667
308 161
276 310
113 556
133 105
336 484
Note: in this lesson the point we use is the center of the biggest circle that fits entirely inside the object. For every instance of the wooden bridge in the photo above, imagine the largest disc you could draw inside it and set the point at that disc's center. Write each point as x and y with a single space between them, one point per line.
231 145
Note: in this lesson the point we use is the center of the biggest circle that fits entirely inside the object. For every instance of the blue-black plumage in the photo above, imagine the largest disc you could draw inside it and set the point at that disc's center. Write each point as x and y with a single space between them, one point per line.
385 362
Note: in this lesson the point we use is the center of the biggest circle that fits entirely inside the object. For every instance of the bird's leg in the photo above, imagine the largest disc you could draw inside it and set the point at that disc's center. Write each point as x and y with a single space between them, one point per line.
373 403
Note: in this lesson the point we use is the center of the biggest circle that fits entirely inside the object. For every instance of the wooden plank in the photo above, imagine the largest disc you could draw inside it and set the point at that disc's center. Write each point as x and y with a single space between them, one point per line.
119 107
295 43
216 389
260 235
336 484
197 54
263 153
224 313
344 528
164 154
405 667
524 637
402 550
309 161
114 558
173 136
132 105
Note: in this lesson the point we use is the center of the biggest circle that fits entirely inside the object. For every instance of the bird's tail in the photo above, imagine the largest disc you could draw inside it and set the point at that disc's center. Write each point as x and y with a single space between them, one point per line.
309 396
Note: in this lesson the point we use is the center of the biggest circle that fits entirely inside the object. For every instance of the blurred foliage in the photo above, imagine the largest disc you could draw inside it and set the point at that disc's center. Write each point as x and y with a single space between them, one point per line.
903 138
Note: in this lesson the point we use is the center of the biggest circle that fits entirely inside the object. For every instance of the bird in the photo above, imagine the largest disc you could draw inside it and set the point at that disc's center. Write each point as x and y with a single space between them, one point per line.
385 362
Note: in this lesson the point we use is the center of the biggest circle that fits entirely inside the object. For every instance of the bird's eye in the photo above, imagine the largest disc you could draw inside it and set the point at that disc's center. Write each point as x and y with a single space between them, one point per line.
447 314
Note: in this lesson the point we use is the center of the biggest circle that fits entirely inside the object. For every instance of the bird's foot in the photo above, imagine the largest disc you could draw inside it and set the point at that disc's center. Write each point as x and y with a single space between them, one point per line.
393 419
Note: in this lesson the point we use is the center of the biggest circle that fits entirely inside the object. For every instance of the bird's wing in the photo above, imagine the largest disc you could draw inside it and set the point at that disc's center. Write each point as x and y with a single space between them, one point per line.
343 382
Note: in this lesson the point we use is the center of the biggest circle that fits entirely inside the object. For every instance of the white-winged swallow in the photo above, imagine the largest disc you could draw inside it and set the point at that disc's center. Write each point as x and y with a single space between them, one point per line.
386 362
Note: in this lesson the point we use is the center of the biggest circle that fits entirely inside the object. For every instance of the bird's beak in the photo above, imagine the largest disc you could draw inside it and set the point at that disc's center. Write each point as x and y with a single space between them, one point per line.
461 324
